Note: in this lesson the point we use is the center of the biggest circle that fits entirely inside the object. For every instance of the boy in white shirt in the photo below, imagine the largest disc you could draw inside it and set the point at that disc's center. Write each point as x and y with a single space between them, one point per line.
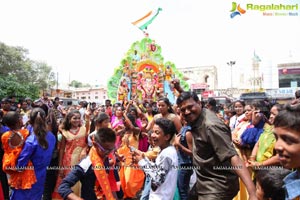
163 172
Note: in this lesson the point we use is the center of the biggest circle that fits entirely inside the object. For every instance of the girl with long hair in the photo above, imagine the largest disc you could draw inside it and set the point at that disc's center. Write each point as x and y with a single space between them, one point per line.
72 148
38 149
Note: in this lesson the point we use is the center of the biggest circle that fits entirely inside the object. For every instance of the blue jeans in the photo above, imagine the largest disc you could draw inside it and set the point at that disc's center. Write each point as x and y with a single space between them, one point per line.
147 188
183 182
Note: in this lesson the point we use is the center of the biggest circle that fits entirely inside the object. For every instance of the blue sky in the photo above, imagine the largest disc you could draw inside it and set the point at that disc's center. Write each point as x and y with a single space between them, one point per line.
86 40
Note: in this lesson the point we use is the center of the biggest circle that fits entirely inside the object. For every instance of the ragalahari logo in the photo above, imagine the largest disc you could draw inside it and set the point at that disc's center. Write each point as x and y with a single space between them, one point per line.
236 10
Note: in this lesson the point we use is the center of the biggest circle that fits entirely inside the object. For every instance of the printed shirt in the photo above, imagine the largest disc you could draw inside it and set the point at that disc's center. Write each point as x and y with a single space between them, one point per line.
163 173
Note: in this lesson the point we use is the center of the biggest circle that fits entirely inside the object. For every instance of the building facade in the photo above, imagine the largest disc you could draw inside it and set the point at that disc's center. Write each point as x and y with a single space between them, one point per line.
96 94
278 80
201 78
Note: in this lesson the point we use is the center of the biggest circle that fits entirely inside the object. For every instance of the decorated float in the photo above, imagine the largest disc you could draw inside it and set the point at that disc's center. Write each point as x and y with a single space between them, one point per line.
142 74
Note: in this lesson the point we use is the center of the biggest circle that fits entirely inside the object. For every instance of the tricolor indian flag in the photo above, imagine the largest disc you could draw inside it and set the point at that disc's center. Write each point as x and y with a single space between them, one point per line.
143 22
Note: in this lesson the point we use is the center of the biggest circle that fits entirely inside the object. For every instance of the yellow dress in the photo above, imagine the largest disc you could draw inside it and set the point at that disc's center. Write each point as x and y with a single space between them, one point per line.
237 132
132 178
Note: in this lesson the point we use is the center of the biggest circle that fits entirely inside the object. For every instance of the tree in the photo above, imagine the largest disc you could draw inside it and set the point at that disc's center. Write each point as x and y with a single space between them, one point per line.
75 84
22 76
45 78
9 86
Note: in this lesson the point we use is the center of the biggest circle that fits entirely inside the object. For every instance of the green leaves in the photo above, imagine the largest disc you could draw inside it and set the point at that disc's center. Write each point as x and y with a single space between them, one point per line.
10 86
21 76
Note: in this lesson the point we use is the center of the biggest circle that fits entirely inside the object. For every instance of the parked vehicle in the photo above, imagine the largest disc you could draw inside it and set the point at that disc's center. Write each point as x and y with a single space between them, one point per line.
221 100
70 101
255 96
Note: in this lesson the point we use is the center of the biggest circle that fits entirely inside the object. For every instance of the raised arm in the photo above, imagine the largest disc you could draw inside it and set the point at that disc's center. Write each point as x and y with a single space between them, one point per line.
140 112
177 85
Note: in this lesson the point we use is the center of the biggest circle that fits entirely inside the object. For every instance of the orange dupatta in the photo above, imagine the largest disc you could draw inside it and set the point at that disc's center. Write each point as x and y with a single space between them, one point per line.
101 175
18 179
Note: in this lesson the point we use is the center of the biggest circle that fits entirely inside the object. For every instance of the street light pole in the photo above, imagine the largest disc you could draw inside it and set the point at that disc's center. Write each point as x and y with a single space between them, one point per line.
230 63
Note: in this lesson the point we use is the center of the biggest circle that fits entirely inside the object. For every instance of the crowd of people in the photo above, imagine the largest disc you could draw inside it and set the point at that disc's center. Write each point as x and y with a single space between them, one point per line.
149 150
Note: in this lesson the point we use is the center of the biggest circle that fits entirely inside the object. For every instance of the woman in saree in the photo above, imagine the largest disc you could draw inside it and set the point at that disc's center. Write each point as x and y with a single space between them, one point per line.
73 147
236 138
244 150
132 178
117 124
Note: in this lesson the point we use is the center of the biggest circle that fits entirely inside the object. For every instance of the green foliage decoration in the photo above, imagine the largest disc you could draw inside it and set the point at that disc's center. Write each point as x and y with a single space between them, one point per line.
136 53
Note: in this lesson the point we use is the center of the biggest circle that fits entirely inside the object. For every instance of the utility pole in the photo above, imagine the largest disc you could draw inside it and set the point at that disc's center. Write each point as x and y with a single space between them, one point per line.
231 63
57 81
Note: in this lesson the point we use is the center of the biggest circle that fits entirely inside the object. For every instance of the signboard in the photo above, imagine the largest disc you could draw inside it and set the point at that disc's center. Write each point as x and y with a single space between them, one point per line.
208 93
195 86
282 92
286 71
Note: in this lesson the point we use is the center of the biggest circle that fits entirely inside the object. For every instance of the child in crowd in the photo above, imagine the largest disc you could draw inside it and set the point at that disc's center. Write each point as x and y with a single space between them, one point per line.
287 132
151 154
91 171
263 153
234 121
269 184
251 135
102 120
184 144
163 172
13 141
